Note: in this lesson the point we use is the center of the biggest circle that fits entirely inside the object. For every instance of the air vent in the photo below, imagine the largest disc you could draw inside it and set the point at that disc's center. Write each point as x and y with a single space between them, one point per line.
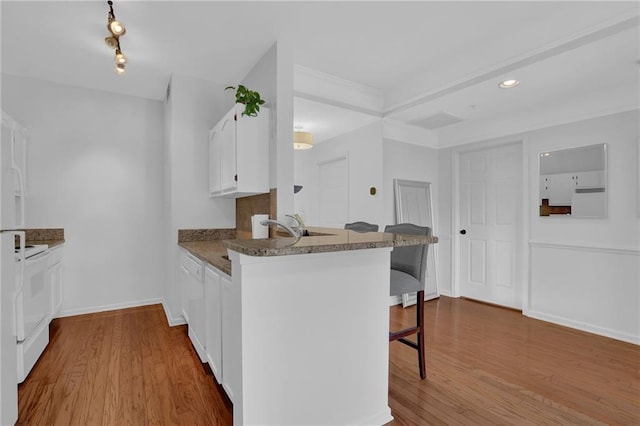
441 119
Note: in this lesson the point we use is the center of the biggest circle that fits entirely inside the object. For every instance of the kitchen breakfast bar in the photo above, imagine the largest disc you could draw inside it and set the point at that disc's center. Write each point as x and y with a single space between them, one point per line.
310 326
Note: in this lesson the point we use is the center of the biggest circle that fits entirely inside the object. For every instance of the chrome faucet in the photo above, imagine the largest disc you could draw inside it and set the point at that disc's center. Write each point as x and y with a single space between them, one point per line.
302 230
298 232
282 225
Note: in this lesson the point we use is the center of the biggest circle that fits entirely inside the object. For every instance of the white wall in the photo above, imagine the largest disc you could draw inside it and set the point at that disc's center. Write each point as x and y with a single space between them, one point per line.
95 168
364 150
410 162
620 229
585 273
194 106
560 249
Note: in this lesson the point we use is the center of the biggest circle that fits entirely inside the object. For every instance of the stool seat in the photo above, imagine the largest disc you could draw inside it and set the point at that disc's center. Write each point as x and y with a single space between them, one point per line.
403 283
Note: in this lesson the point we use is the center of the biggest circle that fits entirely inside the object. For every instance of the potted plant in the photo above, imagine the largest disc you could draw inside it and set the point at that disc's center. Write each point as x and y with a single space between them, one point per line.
249 98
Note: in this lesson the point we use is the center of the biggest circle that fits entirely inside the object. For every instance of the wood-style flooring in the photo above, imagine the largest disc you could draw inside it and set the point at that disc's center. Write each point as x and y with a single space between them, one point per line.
485 366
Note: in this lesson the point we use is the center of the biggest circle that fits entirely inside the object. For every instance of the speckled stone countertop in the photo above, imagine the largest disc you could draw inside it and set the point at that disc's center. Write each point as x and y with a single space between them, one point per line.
210 245
49 236
206 245
325 240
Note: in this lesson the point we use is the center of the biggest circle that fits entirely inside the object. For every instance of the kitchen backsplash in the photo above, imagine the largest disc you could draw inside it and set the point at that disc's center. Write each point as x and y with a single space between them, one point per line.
248 206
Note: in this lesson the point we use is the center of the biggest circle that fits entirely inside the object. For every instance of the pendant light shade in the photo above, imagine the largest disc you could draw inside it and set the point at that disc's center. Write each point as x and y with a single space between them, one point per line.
117 28
302 140
120 57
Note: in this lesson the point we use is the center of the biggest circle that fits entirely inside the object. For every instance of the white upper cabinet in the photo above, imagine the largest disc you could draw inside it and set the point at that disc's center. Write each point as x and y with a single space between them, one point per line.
239 154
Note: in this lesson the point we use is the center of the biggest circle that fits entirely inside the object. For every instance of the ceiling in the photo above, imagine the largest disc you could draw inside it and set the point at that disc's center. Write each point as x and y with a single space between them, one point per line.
426 59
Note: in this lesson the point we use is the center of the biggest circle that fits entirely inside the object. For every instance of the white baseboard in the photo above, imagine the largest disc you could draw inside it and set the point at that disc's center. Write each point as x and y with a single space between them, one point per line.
173 321
111 307
395 300
589 328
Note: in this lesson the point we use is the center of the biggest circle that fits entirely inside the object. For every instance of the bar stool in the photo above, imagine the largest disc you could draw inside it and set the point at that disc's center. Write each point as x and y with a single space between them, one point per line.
408 275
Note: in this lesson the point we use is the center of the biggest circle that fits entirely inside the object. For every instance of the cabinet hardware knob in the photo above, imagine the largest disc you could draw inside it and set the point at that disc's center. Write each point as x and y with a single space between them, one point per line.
463 231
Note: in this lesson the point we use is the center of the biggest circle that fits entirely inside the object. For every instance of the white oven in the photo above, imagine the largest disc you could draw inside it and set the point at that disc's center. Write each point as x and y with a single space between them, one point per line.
33 308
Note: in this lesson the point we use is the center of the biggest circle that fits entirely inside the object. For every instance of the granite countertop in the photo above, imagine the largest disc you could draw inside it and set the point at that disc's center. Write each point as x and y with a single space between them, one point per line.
325 240
50 236
210 245
206 245
211 252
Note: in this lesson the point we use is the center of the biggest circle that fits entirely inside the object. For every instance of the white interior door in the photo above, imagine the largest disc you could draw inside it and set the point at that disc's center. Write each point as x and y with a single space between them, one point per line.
333 193
490 225
413 205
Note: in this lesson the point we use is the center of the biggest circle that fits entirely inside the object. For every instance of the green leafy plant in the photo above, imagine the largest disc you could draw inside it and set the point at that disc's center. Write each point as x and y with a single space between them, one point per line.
249 98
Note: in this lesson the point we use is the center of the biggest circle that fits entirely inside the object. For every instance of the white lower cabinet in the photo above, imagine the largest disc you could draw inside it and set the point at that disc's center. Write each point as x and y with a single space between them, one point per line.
213 306
193 303
231 338
55 279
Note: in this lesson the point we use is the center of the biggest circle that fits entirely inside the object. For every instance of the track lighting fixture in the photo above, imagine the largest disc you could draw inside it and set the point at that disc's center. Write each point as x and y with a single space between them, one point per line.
117 30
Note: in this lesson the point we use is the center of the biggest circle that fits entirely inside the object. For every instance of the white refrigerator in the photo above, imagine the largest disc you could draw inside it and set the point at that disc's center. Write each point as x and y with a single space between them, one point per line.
11 271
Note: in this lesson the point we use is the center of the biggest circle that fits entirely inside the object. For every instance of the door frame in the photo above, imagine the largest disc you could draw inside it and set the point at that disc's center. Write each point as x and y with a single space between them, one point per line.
525 189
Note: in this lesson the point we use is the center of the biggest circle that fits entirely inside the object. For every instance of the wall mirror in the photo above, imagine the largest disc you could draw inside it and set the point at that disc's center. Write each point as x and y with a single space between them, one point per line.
573 182
413 205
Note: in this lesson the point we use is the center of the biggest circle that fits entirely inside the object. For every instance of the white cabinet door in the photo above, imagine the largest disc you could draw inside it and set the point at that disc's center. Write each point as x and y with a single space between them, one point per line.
214 322
55 278
193 301
228 173
239 154
560 189
231 339
214 161
591 179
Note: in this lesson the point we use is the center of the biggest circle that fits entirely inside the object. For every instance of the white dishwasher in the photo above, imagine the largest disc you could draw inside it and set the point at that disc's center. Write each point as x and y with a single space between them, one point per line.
193 301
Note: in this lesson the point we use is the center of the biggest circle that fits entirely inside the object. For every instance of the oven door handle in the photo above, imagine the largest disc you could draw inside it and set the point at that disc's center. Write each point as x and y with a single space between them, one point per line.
20 281
22 260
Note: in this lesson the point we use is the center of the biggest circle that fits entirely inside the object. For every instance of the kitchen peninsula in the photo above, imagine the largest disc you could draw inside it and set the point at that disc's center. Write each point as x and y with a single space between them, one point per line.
309 321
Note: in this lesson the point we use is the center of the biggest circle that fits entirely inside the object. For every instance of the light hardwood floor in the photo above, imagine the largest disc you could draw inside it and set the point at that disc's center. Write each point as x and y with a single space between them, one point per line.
485 365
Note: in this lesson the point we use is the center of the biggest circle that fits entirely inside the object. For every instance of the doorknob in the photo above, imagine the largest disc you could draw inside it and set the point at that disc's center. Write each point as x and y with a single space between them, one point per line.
463 231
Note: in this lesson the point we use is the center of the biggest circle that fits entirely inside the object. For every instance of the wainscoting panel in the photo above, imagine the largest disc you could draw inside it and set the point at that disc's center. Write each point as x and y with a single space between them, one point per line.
595 289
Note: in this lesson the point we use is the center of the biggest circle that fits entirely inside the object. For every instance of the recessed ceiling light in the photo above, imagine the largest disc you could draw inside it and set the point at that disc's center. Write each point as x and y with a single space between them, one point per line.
508 84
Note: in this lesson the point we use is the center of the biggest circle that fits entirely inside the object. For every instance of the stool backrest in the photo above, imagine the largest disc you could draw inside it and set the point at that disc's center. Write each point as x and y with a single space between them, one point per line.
361 227
410 259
